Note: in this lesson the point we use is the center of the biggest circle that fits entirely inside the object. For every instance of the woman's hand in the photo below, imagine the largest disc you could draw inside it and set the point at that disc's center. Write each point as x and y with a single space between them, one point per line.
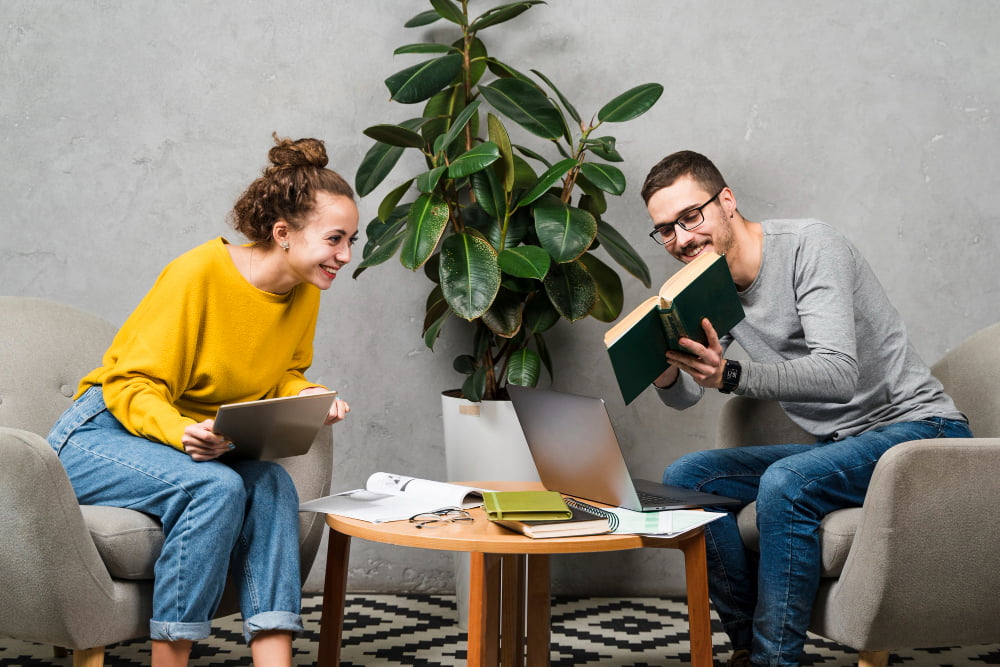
704 363
338 410
202 443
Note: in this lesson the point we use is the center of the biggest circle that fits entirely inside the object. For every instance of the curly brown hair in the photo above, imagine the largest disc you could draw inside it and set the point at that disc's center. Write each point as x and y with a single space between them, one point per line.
287 190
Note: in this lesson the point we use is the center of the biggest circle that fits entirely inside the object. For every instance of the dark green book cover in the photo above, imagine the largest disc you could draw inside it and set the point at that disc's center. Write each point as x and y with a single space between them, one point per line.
637 344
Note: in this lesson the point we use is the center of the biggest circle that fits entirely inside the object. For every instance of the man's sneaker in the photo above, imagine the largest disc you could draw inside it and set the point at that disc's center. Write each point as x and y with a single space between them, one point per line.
739 658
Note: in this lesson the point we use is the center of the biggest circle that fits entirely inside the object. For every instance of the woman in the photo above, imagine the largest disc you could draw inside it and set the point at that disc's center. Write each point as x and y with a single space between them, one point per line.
222 324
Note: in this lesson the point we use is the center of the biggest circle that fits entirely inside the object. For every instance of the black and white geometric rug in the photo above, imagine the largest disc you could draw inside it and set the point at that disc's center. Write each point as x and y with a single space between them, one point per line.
421 630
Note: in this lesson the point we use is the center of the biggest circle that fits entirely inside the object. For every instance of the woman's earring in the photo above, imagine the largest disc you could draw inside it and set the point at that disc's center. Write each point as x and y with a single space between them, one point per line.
284 245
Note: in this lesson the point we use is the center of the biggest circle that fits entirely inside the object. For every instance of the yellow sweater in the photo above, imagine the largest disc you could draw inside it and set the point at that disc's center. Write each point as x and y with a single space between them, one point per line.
201 337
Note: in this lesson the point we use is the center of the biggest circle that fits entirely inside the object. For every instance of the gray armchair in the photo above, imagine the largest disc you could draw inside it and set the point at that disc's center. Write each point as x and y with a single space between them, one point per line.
74 576
917 565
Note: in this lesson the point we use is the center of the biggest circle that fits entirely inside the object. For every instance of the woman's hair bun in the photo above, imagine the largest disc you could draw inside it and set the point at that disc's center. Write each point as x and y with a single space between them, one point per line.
288 153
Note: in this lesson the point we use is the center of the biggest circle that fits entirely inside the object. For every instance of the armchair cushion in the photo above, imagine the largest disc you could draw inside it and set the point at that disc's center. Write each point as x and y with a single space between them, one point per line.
836 534
129 542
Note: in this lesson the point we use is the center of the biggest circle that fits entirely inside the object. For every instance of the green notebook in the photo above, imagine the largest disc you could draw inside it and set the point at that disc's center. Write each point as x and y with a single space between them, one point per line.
526 506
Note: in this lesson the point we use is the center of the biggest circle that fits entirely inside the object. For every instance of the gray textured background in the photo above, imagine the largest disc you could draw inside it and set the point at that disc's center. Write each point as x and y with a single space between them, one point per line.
128 128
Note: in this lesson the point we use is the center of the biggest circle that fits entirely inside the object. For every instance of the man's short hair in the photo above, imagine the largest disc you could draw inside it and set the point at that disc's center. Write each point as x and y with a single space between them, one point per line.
679 164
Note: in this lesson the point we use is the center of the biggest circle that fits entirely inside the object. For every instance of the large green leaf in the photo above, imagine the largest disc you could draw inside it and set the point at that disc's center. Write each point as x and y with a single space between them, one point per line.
525 261
375 166
504 71
524 368
562 98
546 181
439 111
427 181
449 11
604 148
622 252
571 289
422 47
504 317
489 194
475 386
426 222
526 105
539 314
437 313
565 232
610 297
458 125
382 252
395 135
502 13
474 160
470 275
388 204
421 81
498 135
630 104
605 176
422 19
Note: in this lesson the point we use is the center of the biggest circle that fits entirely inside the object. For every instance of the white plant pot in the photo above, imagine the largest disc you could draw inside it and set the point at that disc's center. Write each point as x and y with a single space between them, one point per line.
482 442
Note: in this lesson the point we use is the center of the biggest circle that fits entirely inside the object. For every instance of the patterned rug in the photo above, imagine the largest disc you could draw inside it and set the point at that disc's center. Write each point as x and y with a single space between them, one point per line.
421 630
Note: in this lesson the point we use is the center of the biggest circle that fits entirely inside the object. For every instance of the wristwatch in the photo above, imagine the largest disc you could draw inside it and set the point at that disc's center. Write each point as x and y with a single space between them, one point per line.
731 373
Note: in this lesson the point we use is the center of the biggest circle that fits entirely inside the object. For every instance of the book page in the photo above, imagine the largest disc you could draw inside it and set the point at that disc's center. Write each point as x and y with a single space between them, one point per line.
444 494
626 323
390 497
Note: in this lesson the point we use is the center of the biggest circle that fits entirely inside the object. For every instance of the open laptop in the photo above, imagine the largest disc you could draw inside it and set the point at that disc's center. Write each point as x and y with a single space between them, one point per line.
274 427
577 453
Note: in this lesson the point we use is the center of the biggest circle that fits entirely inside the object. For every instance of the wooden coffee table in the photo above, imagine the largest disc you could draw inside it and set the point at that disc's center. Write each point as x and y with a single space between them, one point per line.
509 605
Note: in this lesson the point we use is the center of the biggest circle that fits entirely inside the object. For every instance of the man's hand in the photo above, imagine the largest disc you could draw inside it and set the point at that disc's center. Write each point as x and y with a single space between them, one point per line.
704 363
203 444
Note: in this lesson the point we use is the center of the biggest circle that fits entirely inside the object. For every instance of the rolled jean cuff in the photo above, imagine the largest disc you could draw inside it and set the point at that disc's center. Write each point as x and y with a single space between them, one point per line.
272 620
171 631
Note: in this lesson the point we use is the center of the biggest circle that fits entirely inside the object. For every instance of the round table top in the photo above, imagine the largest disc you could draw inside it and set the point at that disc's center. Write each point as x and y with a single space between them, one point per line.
485 536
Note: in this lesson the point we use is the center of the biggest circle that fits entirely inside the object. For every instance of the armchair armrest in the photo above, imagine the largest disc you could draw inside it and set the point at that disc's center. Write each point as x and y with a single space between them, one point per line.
47 557
923 562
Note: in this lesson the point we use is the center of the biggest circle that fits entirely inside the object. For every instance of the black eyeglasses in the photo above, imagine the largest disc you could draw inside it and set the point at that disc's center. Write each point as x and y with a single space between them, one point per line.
439 517
665 233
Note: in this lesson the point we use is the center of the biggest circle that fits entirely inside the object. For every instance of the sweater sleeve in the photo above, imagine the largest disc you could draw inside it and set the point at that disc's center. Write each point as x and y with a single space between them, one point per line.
820 321
149 363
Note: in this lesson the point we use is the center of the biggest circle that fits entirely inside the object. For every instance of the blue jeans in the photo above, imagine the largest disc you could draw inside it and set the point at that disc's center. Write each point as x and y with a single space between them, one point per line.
765 603
218 517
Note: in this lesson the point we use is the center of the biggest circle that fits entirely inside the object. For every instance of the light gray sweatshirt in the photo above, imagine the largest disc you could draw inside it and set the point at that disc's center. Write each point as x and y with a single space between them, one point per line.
824 340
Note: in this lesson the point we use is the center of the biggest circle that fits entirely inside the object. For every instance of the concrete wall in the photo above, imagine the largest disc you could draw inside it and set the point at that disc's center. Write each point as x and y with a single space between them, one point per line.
128 128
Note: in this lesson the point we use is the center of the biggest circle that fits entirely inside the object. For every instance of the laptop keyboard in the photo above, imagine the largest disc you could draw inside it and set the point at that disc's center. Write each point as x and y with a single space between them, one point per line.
652 499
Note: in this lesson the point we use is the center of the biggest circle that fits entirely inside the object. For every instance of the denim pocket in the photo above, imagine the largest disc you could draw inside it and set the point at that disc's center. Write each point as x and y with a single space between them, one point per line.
89 405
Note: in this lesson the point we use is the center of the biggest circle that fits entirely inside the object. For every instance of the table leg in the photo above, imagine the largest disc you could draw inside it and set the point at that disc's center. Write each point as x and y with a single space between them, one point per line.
539 614
484 610
512 605
334 593
699 621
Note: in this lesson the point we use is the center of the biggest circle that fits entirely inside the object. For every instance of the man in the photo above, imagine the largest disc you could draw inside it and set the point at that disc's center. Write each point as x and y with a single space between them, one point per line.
823 340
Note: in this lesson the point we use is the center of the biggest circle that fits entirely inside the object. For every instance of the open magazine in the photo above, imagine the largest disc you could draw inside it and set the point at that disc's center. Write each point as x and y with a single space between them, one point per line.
391 497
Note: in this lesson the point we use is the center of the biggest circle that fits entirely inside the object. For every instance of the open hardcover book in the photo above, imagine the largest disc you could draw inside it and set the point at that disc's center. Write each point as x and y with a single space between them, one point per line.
637 343
391 497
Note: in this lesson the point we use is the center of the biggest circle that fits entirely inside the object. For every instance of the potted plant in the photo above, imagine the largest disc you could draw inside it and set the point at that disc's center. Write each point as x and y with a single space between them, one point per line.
509 235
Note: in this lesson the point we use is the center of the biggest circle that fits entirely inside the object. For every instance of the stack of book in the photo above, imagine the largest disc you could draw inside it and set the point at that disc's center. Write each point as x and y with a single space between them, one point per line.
542 514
